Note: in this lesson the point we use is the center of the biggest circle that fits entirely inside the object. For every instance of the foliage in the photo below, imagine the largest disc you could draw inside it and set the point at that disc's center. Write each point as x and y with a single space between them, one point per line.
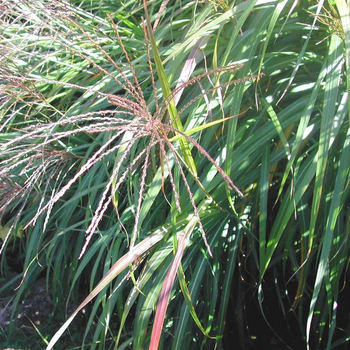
182 165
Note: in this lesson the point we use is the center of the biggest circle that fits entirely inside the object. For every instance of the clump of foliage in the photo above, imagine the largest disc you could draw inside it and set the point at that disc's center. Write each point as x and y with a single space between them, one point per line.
208 142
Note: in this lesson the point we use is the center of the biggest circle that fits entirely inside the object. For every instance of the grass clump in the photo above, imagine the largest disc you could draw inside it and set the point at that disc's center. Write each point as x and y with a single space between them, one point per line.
141 143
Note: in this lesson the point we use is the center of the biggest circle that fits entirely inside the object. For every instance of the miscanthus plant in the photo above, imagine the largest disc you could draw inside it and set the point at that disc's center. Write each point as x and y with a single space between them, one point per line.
179 164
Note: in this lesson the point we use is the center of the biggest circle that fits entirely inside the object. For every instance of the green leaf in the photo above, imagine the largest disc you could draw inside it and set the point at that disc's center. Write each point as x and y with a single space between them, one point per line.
167 95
